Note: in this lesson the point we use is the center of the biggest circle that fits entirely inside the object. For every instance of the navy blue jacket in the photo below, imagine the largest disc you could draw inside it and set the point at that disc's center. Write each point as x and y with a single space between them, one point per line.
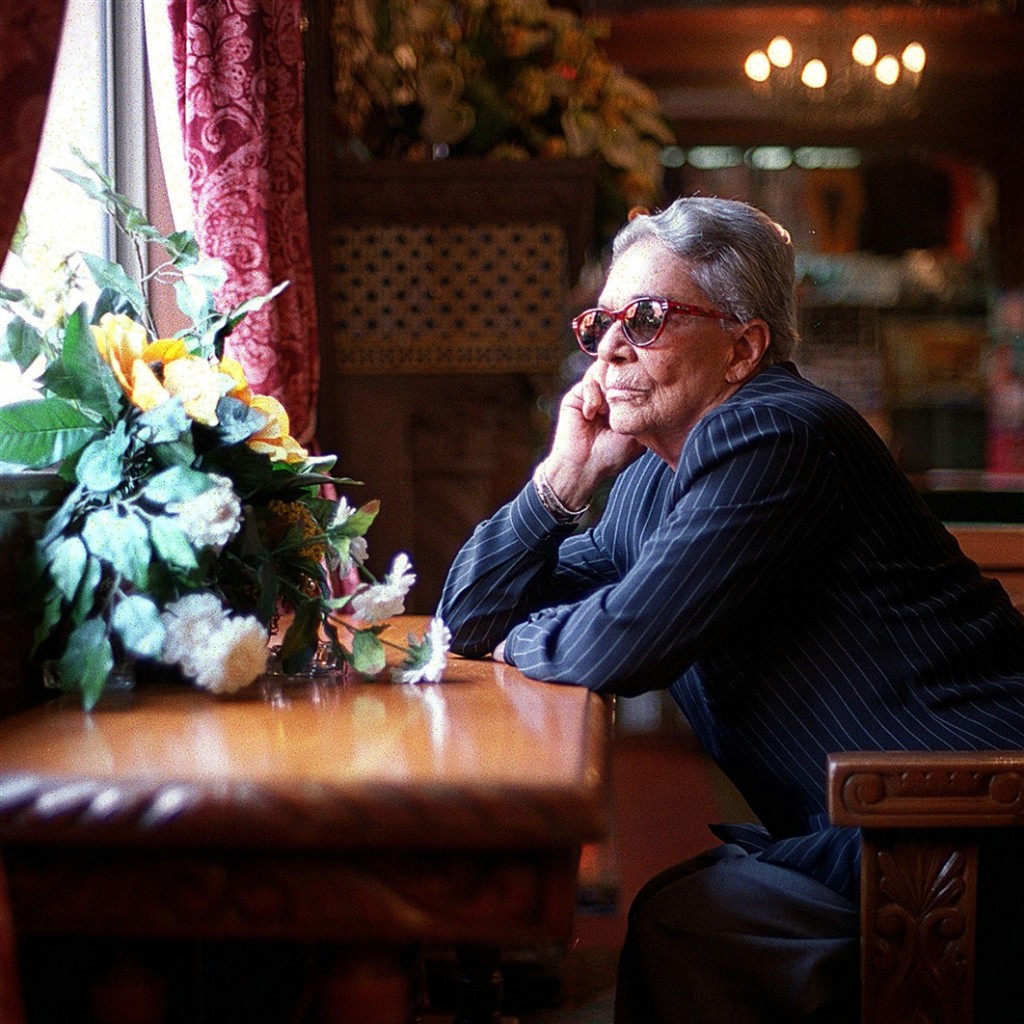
785 583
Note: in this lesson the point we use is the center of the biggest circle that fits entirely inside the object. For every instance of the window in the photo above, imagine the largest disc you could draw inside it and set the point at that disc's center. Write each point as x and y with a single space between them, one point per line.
98 105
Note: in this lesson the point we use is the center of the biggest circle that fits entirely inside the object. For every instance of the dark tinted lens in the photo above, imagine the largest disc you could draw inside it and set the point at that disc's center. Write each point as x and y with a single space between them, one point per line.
643 320
591 328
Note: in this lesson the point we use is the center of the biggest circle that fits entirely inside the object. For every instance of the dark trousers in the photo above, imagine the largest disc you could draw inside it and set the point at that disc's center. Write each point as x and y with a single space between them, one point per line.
726 938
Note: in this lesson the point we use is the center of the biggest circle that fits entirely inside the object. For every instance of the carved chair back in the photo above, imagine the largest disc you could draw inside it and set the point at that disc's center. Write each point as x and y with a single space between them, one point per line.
941 835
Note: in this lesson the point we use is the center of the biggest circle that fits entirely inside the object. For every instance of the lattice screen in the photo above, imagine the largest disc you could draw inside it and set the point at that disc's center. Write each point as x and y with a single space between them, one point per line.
448 299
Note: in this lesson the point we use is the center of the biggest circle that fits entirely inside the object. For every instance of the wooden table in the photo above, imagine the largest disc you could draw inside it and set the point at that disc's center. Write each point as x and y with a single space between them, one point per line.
375 816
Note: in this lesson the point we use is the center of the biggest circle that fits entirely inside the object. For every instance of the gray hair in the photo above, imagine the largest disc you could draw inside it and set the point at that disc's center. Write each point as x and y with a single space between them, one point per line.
739 258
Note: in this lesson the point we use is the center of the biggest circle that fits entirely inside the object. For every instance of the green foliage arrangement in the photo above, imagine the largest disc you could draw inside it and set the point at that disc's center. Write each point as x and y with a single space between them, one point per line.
194 527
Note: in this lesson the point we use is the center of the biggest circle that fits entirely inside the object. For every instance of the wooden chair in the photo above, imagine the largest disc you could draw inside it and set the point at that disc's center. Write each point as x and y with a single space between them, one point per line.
924 817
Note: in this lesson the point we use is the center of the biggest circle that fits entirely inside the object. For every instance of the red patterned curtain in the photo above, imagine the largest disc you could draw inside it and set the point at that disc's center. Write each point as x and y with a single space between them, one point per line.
30 34
239 66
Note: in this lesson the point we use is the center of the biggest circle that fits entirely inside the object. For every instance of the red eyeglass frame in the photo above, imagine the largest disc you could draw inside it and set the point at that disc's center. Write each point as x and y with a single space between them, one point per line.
619 316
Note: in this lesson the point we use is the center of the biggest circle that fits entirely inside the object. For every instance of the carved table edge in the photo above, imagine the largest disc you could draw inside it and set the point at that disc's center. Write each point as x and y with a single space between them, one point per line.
42 808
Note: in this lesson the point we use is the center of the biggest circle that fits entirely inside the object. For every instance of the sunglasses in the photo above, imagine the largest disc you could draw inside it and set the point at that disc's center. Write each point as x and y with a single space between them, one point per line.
642 321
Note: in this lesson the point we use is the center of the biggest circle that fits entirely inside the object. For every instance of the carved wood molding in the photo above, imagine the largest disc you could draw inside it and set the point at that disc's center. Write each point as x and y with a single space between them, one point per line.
918 929
146 812
448 299
470 192
926 790
440 896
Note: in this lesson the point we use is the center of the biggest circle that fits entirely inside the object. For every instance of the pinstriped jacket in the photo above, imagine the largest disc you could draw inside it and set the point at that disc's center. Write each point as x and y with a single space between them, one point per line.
785 583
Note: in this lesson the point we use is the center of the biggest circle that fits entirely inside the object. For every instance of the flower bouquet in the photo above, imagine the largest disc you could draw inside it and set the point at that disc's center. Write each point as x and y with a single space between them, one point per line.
194 527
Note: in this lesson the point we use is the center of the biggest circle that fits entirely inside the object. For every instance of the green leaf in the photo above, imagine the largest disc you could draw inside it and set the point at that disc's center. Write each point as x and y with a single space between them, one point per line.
248 470
237 421
101 467
39 434
239 312
269 586
51 616
171 544
168 422
61 518
175 484
87 661
111 301
87 591
367 653
358 523
183 248
87 185
194 291
136 620
67 565
15 299
174 453
21 342
342 547
301 638
131 219
207 275
196 307
120 540
137 225
322 463
113 276
89 376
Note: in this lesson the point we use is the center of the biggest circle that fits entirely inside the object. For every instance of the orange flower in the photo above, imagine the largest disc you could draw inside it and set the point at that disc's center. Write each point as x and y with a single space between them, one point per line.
197 384
123 343
273 439
152 372
240 386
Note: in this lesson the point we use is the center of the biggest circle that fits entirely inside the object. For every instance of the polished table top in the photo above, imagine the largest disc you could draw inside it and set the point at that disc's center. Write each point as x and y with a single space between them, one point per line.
484 758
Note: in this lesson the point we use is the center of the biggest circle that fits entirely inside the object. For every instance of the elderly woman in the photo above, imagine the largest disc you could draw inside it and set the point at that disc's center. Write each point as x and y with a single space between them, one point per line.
762 557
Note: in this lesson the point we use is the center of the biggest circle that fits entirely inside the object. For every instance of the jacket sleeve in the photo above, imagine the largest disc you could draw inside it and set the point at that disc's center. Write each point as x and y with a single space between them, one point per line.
755 502
517 561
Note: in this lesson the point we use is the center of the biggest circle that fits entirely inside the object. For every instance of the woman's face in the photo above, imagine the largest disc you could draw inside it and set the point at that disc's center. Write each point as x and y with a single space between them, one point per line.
657 393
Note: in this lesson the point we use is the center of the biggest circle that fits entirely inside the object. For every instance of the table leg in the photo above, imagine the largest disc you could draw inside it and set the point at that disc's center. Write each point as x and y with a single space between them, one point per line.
481 985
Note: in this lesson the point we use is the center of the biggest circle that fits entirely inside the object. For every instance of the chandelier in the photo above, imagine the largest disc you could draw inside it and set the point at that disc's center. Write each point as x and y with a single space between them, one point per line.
844 83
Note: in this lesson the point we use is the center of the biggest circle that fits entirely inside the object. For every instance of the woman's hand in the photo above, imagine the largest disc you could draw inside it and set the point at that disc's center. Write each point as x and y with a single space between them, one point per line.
585 449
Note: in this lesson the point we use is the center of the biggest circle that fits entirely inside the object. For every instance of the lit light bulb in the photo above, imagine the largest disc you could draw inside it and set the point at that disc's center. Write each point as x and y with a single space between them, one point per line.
780 52
757 66
887 70
814 74
914 58
865 50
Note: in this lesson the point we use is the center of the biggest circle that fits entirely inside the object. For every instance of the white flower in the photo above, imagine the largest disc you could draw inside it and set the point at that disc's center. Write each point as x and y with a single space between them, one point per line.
212 518
237 656
189 623
358 549
380 601
425 661
343 512
18 385
221 653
